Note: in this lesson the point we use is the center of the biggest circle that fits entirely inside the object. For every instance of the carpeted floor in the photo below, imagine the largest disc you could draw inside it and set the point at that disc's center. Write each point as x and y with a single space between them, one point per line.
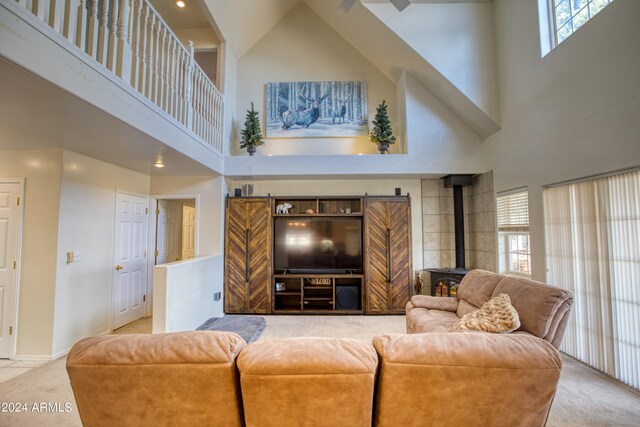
585 397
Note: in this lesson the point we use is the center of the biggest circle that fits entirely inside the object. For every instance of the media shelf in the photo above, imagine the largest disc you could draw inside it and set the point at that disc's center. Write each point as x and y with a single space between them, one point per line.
318 293
321 206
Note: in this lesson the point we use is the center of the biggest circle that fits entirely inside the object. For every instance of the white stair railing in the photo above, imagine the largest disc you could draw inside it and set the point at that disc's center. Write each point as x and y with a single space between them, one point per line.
132 40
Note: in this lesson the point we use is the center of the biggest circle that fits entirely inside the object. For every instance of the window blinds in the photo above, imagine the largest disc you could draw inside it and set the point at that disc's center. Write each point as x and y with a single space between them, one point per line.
592 231
513 211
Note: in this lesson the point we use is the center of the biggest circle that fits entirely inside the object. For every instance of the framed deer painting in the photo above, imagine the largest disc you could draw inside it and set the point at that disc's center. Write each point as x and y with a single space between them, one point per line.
316 109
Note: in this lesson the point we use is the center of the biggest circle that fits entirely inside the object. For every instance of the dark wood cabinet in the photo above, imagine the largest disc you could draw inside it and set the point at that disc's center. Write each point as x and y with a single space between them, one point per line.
387 242
248 235
384 285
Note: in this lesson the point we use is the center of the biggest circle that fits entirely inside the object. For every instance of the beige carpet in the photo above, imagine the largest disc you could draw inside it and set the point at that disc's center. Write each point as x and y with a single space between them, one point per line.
585 397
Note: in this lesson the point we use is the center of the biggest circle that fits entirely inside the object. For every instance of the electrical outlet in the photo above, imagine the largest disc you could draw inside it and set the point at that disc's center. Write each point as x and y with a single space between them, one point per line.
217 296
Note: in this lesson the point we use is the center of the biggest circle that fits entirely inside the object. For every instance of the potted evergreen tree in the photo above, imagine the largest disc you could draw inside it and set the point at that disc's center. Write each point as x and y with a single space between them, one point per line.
251 134
382 134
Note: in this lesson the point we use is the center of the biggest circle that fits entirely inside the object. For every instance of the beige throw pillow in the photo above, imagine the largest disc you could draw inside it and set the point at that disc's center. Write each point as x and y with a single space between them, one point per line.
496 315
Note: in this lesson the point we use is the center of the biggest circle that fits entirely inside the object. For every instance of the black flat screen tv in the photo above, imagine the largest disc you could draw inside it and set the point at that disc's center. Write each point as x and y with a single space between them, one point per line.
318 244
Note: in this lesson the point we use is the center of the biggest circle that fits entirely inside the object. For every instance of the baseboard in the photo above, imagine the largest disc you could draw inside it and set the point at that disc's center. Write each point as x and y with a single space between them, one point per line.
53 356
31 357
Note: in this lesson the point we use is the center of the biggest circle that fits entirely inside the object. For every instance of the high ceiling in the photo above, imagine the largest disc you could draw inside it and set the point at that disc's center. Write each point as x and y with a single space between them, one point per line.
190 16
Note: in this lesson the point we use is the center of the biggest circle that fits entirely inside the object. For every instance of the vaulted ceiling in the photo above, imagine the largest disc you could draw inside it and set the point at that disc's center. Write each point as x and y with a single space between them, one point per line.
243 23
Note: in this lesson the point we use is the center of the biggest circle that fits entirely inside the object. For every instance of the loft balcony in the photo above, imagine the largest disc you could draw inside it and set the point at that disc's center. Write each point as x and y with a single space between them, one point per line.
118 57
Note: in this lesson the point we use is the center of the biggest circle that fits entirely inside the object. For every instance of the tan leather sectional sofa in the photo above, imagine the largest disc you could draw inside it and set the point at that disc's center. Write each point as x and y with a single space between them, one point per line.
206 378
543 309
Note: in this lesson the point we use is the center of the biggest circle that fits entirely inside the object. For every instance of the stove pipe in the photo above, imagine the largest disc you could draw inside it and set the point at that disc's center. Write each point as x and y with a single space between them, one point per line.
458 182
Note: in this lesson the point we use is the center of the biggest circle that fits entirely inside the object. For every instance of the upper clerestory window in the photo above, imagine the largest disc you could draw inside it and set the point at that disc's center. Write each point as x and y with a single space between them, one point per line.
565 17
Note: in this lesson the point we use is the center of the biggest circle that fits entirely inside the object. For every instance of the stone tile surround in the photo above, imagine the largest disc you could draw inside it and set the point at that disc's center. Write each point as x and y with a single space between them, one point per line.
479 223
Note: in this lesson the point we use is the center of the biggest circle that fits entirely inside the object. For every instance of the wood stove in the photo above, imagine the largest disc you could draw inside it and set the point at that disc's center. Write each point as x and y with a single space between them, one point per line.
445 281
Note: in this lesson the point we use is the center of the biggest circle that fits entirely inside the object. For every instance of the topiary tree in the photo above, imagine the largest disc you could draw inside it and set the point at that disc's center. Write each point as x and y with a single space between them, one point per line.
251 134
382 134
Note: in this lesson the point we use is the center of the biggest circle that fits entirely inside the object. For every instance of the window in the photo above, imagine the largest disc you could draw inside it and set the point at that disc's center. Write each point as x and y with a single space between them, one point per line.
592 235
513 233
569 15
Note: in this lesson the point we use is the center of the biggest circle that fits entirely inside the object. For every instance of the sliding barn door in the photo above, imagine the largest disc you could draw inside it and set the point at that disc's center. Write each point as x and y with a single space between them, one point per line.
248 256
388 254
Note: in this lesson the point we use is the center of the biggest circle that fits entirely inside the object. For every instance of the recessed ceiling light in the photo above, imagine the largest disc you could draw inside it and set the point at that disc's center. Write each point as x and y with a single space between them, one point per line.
158 164
180 3
269 155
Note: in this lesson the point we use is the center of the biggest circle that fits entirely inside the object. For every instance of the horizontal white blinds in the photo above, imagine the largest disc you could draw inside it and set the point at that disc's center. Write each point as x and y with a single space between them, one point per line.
592 231
513 211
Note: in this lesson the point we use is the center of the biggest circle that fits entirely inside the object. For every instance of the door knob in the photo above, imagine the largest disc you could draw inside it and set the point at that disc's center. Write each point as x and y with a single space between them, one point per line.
119 267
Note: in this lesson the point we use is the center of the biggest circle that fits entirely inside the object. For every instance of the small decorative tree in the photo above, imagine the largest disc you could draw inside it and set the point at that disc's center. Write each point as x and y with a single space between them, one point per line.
382 134
251 134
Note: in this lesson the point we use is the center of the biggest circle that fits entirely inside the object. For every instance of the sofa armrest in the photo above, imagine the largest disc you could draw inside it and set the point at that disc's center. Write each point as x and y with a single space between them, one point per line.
496 379
434 303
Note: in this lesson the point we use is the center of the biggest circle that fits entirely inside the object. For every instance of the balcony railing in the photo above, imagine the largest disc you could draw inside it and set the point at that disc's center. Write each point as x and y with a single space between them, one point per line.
132 40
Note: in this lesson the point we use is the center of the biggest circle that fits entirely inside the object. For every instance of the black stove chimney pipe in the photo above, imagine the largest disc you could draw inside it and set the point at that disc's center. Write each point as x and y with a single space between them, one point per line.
458 215
458 182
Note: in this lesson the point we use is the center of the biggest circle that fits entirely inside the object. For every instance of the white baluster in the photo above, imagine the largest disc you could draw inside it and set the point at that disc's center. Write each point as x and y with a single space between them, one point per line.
54 16
172 79
162 70
68 21
103 34
112 46
23 3
189 87
135 68
143 46
179 83
37 8
123 55
81 24
92 36
149 59
156 63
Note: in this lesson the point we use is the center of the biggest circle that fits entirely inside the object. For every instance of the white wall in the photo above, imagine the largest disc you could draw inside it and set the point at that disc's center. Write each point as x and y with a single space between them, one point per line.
42 170
456 39
436 137
352 188
184 294
302 47
571 114
87 210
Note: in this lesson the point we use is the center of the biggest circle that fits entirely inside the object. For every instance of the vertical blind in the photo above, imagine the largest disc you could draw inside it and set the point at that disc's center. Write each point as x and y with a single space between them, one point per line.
513 211
592 231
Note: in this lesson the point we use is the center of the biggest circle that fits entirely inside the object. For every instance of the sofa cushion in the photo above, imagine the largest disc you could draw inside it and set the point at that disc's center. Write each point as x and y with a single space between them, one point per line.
494 380
157 380
476 288
497 315
537 303
308 381
425 320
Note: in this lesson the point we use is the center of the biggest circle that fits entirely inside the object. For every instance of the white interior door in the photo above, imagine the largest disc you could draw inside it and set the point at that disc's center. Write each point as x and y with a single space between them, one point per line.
130 273
9 244
188 230
168 239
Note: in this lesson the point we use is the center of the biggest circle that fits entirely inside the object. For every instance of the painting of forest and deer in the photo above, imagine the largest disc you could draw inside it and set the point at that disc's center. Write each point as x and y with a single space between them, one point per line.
316 109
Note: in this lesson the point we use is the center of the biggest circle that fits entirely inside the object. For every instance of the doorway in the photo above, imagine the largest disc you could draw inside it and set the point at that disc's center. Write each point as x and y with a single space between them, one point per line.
176 230
11 194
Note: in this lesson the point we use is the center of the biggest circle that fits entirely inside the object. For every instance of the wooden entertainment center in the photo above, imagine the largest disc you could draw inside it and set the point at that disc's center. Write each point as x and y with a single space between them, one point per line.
257 282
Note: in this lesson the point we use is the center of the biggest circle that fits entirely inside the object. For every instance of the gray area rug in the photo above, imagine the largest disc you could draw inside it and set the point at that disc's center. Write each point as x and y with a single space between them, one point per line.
248 327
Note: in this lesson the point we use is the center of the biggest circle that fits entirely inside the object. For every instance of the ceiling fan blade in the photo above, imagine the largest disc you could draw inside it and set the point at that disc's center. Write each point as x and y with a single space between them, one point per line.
345 7
400 4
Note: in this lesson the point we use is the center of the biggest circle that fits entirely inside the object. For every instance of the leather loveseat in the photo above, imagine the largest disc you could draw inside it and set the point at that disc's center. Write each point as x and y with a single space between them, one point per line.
207 378
543 310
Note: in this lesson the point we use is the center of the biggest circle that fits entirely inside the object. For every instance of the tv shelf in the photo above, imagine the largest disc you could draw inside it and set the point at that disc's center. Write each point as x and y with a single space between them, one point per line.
322 206
315 293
